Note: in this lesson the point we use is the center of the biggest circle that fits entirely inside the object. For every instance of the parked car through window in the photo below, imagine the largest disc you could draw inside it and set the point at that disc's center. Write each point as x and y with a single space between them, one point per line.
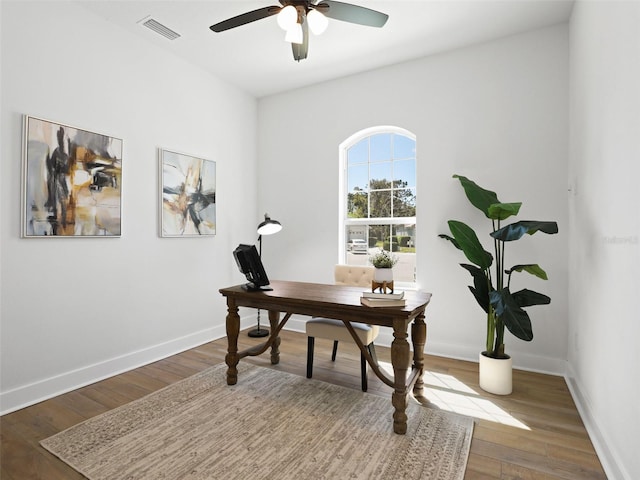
357 245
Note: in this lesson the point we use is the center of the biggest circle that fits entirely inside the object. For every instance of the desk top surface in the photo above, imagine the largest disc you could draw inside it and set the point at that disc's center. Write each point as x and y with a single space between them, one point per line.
322 299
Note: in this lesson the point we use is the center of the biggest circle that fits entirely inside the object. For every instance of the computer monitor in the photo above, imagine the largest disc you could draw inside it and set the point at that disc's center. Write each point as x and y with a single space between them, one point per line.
250 265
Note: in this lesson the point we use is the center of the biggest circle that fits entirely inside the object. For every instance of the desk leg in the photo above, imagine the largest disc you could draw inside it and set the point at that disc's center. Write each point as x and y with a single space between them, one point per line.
400 359
233 330
418 338
274 319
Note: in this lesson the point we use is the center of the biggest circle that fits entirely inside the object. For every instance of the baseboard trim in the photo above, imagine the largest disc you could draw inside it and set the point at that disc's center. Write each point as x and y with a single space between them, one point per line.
36 392
39 391
521 361
611 464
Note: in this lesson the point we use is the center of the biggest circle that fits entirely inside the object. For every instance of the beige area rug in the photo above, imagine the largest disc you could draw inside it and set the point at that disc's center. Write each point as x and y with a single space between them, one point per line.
271 425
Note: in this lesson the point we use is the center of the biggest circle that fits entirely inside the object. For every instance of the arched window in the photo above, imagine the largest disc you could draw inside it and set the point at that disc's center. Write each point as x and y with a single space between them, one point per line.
378 198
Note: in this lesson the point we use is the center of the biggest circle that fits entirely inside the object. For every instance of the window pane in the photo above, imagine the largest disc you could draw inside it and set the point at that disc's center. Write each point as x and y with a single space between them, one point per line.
404 237
381 171
404 202
357 247
379 236
357 178
359 153
380 204
400 239
404 173
380 147
403 147
379 185
357 205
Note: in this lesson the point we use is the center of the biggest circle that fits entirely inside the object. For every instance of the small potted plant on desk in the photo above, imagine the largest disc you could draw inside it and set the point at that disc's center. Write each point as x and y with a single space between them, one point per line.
383 261
492 289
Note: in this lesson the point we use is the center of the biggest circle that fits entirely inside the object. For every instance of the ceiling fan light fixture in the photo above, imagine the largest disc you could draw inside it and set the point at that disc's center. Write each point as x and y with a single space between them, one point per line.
294 34
317 22
297 17
288 17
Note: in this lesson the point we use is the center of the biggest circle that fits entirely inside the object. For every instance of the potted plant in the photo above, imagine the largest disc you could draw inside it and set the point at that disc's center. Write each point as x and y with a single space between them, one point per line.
383 261
492 287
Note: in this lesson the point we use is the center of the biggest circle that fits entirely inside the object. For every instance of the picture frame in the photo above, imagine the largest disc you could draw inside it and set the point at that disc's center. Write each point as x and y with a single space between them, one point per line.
187 195
72 181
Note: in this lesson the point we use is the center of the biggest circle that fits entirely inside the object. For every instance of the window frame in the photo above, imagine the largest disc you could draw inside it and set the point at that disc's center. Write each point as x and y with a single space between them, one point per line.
343 220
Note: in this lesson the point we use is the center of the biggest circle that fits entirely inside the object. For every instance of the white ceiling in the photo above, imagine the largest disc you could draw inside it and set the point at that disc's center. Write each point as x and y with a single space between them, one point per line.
256 58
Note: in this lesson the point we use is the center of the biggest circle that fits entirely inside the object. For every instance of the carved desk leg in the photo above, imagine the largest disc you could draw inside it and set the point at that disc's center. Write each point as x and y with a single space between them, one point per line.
274 319
400 359
418 338
233 330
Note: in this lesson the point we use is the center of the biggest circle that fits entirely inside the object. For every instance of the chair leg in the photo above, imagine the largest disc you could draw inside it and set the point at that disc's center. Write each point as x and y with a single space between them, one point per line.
310 343
335 350
363 370
372 352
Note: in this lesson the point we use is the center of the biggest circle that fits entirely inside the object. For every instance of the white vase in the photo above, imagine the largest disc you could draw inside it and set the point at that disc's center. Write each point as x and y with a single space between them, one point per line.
383 275
496 375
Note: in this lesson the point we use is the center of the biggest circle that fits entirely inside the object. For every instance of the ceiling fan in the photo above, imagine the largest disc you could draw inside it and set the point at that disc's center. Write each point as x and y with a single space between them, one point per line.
298 16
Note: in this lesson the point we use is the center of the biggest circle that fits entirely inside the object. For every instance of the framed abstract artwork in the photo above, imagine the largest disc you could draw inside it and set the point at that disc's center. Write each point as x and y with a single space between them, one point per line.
188 195
72 181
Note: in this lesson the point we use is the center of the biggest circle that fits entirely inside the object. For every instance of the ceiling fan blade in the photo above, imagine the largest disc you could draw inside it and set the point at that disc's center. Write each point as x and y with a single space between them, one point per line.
352 13
300 50
245 18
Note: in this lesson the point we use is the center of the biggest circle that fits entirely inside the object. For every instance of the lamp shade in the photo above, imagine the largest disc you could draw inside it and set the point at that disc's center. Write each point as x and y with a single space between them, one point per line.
269 226
317 22
294 34
287 17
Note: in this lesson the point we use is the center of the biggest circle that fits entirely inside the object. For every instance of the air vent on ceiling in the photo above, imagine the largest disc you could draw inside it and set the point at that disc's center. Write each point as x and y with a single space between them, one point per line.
159 28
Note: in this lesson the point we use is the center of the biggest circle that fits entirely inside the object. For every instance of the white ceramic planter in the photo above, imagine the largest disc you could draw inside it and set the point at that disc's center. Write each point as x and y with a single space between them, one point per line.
496 375
383 274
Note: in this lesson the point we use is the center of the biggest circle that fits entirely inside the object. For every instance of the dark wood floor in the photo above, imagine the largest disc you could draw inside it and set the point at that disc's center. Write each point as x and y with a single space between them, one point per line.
534 434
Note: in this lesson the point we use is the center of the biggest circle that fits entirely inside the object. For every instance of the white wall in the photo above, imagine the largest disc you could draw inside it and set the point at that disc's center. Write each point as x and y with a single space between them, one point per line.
75 310
604 324
496 112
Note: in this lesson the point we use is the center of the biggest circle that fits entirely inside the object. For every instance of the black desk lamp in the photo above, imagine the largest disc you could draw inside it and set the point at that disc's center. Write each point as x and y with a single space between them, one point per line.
267 227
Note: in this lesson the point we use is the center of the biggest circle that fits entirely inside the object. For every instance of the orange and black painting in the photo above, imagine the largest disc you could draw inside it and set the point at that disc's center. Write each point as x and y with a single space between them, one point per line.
72 181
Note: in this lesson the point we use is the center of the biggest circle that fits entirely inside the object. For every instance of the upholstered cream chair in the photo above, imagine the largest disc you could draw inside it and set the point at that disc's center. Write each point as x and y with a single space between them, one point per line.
335 330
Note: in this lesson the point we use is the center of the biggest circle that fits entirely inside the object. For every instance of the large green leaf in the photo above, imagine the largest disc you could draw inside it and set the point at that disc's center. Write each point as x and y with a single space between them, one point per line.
479 197
469 244
528 298
480 289
501 211
451 239
513 317
532 268
516 230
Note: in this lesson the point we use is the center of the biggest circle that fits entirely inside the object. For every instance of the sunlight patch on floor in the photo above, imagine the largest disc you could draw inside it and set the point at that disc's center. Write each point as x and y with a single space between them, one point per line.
450 382
448 393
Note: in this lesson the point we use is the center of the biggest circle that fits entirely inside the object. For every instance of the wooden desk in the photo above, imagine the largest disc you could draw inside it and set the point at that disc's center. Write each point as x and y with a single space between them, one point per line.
342 303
